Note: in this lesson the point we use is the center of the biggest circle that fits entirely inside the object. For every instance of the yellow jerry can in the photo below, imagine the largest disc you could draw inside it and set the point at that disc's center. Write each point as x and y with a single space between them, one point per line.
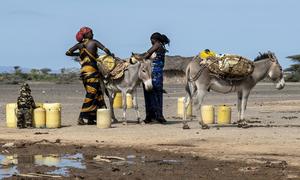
129 100
118 100
11 118
103 118
180 108
208 114
39 118
224 114
53 115
204 55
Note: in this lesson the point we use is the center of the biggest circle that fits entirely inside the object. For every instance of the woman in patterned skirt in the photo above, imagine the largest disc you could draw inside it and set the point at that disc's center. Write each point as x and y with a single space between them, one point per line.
90 74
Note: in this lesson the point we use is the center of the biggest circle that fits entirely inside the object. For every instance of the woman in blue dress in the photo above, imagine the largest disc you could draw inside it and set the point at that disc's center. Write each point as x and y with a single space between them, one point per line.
154 98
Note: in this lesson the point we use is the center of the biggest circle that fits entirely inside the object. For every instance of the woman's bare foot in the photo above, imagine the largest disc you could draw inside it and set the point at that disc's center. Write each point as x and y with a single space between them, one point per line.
80 122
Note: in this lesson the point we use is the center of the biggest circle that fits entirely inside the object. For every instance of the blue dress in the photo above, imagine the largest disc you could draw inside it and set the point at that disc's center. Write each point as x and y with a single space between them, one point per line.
154 98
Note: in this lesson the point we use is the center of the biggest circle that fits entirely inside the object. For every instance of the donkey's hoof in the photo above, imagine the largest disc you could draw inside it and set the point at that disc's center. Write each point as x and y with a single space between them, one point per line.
140 122
205 126
124 123
241 121
115 120
186 126
243 125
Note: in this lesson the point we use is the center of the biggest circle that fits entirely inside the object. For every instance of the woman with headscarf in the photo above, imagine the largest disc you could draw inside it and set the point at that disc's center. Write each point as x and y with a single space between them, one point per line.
88 53
154 98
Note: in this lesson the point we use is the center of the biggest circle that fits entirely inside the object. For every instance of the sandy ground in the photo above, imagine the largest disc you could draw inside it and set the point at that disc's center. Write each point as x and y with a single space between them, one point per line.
266 104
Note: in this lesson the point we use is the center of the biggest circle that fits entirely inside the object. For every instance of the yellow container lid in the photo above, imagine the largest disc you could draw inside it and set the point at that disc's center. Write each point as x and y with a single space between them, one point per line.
52 106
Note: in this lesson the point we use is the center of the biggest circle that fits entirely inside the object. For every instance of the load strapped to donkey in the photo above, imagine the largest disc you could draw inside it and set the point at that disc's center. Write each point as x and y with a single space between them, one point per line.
112 67
231 67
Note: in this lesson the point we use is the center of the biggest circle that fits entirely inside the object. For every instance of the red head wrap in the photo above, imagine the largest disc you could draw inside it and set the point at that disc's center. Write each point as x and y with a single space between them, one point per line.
82 32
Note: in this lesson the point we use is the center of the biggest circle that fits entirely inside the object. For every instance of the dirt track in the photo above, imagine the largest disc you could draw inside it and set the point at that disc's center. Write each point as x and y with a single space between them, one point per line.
267 105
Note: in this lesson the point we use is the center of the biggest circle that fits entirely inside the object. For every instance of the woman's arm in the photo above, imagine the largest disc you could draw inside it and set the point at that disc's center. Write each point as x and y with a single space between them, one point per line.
154 48
103 48
70 52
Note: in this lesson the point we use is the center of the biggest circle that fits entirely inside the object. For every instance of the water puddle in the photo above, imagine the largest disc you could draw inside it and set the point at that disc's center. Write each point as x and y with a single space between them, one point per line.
9 164
8 172
60 165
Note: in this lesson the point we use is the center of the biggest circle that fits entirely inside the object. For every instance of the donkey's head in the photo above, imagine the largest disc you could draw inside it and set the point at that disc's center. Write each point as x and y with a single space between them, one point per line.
144 71
275 72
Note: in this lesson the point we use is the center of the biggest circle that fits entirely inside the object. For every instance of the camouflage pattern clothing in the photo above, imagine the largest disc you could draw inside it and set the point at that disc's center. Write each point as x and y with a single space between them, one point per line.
25 107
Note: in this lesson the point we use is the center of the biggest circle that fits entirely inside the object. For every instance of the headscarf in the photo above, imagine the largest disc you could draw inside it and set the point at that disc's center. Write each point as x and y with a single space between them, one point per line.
80 34
25 89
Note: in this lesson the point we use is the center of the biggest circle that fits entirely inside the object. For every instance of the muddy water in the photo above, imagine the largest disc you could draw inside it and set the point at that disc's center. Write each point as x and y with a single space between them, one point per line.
44 161
10 164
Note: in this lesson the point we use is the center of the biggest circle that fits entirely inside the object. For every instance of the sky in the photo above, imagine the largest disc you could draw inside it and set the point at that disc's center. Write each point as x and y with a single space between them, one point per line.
37 33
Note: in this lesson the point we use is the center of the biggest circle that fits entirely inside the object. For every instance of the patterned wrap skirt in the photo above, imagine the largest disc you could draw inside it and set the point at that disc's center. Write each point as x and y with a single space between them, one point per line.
94 96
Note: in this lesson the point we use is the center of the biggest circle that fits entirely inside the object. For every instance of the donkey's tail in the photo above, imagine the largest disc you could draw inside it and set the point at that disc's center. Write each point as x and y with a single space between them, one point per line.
187 82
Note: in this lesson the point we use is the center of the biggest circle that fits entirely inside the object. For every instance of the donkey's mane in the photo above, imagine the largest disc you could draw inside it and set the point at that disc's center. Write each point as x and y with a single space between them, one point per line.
262 56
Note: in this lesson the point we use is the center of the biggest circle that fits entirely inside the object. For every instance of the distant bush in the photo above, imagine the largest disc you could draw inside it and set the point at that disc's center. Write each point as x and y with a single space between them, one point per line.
293 72
66 76
293 77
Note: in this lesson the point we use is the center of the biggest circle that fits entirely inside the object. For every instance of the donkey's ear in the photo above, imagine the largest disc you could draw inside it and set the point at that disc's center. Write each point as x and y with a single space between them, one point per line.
270 54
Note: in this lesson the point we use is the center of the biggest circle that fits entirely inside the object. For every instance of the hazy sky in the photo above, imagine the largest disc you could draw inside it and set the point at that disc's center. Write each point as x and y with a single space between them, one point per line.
36 33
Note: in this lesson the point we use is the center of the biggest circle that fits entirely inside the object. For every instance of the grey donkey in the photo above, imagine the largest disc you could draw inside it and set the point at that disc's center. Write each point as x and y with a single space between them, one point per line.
139 71
199 81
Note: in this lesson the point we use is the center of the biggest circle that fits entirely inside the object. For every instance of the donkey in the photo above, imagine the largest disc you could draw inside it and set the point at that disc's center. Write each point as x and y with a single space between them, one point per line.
199 81
138 71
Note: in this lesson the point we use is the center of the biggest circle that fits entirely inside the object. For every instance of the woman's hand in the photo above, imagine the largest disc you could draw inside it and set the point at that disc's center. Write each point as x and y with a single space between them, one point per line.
70 52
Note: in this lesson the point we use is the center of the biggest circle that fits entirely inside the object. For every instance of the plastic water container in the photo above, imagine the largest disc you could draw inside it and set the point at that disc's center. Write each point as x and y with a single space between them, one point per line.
208 114
129 101
118 100
180 108
224 114
103 118
53 115
39 118
11 118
